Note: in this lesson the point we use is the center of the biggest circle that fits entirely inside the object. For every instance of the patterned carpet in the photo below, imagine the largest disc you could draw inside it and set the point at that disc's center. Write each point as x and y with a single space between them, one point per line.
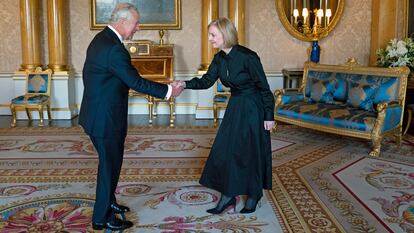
322 183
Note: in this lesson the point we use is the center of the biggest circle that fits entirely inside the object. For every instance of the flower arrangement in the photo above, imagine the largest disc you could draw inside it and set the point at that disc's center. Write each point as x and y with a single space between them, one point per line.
397 53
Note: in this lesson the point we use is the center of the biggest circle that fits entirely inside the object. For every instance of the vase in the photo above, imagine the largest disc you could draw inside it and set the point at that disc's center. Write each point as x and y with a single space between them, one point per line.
315 52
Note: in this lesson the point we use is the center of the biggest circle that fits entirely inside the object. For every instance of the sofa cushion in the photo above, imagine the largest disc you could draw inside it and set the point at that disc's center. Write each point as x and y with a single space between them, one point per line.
387 91
317 75
33 99
322 90
361 95
341 88
335 115
290 97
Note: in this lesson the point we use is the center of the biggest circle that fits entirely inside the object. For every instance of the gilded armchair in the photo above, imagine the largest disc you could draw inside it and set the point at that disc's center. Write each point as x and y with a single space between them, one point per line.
37 95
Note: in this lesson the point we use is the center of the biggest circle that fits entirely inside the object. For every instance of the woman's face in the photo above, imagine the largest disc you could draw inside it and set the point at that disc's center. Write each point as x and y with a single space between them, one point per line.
215 37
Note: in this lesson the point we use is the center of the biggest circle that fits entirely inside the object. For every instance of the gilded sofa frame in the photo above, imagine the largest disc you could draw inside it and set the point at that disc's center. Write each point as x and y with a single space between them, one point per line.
352 67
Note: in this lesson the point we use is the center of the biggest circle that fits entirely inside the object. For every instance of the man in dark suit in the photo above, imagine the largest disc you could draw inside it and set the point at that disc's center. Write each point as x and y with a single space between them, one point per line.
107 77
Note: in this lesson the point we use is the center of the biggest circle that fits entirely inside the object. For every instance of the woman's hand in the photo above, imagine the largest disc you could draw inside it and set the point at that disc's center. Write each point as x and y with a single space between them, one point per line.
178 83
268 125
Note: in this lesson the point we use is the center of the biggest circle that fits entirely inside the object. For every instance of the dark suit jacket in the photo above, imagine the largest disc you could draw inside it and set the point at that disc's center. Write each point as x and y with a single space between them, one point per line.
107 77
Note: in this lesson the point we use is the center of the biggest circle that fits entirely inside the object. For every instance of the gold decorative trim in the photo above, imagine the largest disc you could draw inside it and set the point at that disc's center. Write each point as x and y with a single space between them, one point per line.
285 22
328 129
61 109
204 108
176 25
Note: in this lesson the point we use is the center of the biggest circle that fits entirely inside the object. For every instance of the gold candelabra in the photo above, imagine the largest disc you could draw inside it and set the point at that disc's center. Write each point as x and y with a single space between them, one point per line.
316 30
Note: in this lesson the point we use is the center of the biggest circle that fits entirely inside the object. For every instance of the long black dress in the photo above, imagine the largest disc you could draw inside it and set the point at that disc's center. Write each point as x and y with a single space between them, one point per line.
240 161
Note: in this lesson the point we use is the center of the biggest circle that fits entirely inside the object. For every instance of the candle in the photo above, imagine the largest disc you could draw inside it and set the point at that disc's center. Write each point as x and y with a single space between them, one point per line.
305 14
296 14
319 14
328 15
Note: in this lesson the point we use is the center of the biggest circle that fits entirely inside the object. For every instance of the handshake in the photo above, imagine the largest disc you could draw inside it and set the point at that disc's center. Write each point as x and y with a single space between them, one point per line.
177 88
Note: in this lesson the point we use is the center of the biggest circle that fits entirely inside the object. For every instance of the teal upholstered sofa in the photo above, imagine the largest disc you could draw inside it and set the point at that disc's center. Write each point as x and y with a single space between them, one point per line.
350 100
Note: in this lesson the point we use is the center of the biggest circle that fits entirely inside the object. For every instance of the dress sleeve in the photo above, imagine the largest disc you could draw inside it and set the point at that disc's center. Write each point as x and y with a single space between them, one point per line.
257 73
207 80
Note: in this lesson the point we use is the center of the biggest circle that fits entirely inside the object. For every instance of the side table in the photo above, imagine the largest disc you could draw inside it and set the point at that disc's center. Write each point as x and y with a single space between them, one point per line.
290 74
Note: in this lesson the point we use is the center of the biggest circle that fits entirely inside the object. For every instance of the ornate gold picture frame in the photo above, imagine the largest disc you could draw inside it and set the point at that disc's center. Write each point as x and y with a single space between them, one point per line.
155 14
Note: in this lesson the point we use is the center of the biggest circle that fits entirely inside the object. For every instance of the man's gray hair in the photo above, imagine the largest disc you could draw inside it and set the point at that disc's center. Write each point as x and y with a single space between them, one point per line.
122 11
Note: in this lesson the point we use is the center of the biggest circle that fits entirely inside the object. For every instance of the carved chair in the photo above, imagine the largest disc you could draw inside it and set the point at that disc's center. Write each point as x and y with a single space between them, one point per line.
37 95
220 99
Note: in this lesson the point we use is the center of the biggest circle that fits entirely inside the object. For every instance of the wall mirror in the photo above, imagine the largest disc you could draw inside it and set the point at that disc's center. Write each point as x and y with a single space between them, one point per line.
309 20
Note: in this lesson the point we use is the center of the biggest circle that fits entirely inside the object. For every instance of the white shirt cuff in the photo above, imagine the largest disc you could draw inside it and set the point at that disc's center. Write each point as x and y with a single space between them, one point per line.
169 92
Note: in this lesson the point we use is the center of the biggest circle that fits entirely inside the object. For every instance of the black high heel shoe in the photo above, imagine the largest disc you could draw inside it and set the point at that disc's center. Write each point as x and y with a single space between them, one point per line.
248 211
217 210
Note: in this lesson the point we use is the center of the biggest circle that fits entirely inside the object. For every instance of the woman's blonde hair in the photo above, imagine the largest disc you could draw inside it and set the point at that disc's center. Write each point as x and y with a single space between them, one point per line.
228 30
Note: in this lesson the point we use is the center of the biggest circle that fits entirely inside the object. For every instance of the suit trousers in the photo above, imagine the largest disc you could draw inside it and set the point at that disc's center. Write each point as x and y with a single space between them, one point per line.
111 153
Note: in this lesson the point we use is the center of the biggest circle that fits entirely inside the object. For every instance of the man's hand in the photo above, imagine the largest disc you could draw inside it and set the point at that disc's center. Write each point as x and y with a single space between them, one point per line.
177 88
178 83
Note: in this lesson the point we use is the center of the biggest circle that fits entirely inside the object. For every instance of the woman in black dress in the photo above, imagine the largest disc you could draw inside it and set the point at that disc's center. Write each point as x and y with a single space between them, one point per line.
240 161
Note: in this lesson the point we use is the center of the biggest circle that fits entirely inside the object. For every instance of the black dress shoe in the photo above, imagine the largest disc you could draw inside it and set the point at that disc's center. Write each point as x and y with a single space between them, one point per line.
247 210
119 209
217 210
113 225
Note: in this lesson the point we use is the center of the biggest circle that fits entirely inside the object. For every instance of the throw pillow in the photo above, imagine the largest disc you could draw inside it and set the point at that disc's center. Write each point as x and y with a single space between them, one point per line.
322 90
360 95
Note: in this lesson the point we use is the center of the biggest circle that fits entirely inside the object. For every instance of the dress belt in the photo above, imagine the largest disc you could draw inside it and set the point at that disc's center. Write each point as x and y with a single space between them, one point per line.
236 92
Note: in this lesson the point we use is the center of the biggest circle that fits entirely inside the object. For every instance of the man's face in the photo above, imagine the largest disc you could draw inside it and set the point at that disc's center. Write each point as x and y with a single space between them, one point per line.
215 37
130 26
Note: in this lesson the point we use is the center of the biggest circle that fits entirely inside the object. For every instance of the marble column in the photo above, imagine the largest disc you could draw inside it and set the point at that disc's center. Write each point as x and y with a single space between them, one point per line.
236 12
210 11
57 35
30 34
